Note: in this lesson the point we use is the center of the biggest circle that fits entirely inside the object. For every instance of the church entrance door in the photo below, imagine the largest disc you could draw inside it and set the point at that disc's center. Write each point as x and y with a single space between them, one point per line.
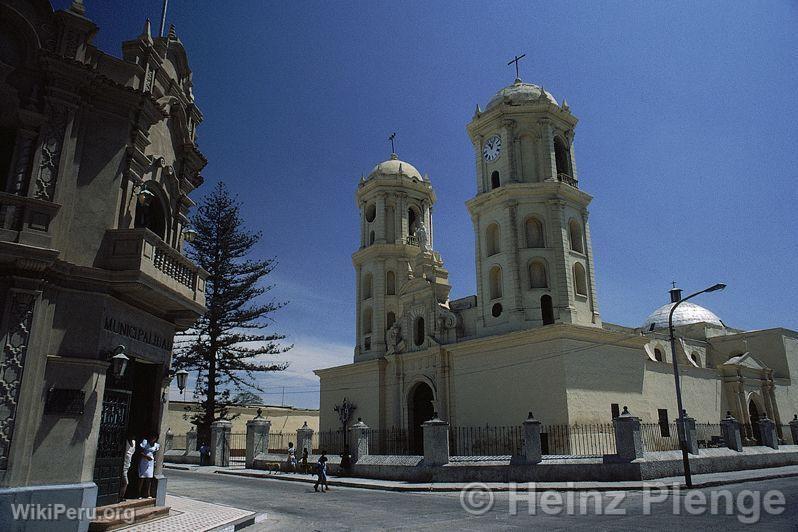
420 409
753 413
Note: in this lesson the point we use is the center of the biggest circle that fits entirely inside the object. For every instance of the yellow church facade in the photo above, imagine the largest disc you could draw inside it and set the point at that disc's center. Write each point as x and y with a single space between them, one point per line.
531 338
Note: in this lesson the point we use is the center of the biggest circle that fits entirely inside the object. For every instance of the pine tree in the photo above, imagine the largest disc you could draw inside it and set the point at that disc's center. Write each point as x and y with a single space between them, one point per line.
227 346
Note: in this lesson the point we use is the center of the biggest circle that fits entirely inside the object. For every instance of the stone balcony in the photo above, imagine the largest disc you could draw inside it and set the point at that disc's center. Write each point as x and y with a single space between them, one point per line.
151 271
26 220
568 180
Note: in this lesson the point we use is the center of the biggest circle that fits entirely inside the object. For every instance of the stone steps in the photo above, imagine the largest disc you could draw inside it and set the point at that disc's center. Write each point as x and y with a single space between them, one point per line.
116 516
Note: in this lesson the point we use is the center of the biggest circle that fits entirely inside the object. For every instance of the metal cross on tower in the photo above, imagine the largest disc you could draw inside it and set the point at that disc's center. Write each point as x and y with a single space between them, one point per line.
391 138
515 60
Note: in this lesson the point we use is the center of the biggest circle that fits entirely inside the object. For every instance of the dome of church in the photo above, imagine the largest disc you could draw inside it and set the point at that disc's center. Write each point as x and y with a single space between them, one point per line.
685 314
394 166
519 93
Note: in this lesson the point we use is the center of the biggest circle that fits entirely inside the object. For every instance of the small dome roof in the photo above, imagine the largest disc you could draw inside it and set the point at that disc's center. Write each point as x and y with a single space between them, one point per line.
520 93
686 314
394 166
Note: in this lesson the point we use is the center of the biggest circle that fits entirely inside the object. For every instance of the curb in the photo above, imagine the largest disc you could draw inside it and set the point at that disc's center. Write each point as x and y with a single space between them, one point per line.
519 487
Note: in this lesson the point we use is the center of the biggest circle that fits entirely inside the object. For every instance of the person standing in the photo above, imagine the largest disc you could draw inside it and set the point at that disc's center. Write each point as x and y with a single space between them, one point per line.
147 464
291 457
304 460
321 471
130 450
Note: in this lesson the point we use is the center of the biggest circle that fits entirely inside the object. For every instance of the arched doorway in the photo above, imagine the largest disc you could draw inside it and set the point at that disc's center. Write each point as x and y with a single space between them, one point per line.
754 414
419 409
546 309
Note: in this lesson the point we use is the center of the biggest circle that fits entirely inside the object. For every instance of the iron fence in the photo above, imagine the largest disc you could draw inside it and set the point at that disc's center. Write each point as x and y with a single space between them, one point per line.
659 436
709 435
591 439
484 441
392 440
238 446
750 434
278 442
332 441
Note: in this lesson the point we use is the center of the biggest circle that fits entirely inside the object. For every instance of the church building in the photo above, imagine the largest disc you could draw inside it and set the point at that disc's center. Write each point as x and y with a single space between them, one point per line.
532 337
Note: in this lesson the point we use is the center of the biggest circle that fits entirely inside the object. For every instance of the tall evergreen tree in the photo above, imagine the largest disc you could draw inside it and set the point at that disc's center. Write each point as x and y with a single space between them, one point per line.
227 347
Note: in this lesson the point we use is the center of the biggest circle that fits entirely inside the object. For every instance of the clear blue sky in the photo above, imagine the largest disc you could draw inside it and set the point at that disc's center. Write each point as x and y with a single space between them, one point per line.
687 139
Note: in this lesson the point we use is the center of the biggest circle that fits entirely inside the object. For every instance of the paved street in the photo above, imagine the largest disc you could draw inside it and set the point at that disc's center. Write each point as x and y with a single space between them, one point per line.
292 505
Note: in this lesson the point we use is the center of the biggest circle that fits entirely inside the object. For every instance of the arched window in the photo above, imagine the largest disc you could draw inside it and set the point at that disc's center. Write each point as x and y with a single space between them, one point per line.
367 320
580 281
390 319
368 284
695 358
152 217
546 309
419 333
561 157
371 238
390 283
496 310
658 355
534 233
371 212
537 275
575 234
494 180
412 220
495 282
492 239
390 225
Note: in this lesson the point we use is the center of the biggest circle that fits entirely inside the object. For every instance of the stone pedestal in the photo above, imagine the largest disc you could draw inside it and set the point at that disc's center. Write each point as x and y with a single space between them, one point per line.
730 428
359 440
257 438
220 443
767 430
304 439
436 441
794 429
191 440
530 440
685 427
168 440
628 439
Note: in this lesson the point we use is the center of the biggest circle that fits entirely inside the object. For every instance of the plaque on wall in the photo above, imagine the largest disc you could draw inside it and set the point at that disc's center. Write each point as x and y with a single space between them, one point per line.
64 402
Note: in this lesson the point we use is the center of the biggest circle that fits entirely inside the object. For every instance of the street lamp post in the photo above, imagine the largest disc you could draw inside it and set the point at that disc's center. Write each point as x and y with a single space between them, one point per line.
683 433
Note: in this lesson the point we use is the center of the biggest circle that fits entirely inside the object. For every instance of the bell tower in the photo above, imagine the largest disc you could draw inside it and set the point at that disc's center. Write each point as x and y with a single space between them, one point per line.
394 201
534 260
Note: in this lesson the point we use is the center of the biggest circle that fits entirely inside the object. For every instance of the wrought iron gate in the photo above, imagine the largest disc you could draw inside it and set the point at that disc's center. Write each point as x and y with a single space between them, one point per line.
111 446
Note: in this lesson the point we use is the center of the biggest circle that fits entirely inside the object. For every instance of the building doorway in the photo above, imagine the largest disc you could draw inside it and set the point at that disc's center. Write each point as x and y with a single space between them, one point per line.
753 413
130 409
420 409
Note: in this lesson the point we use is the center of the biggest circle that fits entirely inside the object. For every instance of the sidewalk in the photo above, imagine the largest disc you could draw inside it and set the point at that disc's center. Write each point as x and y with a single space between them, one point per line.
188 515
699 481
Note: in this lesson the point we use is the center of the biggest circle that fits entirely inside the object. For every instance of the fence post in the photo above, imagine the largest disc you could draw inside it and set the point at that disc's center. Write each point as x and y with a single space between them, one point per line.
220 443
794 429
687 433
257 438
359 441
191 440
730 428
530 442
304 439
628 440
767 429
436 441
169 440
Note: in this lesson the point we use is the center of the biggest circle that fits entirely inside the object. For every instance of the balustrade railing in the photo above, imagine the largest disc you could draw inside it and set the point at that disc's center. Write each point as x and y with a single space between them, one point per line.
568 180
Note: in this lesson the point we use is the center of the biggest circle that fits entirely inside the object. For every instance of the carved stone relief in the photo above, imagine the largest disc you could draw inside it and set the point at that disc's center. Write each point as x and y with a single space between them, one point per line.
52 143
12 364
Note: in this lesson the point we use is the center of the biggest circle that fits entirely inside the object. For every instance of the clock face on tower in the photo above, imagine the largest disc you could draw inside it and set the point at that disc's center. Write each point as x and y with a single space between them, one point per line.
492 148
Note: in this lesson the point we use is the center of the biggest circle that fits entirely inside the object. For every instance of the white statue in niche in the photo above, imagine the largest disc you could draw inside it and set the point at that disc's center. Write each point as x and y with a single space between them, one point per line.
422 237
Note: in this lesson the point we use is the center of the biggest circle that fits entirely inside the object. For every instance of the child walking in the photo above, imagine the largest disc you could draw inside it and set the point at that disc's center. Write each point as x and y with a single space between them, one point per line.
321 471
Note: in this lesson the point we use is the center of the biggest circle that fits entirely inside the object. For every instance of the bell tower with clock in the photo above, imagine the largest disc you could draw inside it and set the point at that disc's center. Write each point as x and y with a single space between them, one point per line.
534 259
